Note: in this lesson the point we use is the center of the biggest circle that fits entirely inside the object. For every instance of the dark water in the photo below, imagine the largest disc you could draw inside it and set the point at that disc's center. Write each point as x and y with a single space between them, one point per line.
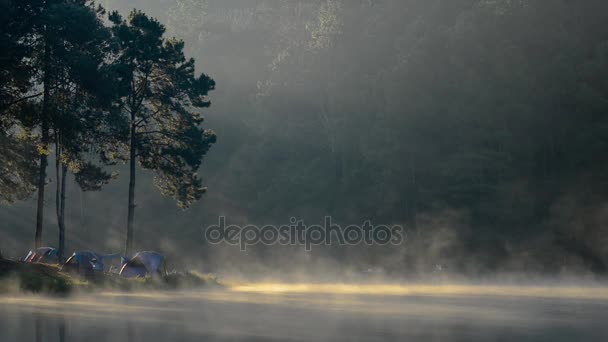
238 316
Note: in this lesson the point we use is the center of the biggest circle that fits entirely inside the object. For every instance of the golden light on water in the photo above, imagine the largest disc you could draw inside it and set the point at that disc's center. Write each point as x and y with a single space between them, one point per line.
363 298
426 290
475 303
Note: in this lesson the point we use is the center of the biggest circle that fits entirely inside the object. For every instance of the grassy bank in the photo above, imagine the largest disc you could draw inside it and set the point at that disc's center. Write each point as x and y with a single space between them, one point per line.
42 278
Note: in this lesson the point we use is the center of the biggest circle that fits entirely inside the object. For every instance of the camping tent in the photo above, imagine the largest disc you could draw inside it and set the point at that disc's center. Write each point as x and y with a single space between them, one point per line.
144 263
84 260
48 255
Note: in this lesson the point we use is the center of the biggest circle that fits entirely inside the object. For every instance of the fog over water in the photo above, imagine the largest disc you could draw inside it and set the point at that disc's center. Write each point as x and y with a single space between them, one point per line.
332 313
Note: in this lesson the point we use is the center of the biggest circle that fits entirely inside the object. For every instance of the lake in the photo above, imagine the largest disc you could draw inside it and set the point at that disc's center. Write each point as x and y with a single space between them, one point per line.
312 312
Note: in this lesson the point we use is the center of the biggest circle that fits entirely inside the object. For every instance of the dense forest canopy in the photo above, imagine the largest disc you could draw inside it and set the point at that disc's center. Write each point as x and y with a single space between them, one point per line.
481 125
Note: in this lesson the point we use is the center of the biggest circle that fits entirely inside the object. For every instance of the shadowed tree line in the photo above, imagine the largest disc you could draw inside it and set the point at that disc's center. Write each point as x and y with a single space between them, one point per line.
95 89
480 124
491 113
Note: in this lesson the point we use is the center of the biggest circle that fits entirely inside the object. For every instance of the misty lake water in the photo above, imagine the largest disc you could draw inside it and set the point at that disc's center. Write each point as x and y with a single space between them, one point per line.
303 313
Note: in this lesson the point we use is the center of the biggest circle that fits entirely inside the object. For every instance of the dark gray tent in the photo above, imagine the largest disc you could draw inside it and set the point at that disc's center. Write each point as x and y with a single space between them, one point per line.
47 255
143 264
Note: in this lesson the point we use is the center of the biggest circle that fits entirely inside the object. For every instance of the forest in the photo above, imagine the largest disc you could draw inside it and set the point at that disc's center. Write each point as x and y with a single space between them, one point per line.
480 125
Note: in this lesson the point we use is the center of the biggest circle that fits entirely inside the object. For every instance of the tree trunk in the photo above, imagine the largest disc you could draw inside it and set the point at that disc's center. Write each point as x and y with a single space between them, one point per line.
58 182
40 202
62 331
133 156
61 254
38 328
61 173
44 144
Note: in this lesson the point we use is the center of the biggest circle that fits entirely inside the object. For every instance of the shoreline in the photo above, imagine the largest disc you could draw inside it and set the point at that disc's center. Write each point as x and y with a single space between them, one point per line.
17 276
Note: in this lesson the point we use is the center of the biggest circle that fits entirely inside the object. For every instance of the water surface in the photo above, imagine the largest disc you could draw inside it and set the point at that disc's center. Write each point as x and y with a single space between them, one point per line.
301 312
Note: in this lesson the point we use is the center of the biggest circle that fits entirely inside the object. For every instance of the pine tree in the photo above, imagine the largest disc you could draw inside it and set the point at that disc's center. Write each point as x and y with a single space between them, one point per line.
160 97
66 41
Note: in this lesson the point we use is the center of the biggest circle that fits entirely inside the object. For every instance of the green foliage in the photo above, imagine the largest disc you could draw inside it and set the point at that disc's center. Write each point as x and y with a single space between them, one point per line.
91 177
17 167
95 92
161 95
37 278
48 279
17 22
46 51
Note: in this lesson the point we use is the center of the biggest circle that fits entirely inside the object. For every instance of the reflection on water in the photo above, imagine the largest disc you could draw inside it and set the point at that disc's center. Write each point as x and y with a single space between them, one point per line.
313 312
62 330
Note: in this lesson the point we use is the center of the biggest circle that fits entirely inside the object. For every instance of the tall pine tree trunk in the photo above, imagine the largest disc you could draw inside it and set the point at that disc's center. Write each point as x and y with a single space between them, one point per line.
58 184
64 172
61 171
58 181
133 156
44 140
41 183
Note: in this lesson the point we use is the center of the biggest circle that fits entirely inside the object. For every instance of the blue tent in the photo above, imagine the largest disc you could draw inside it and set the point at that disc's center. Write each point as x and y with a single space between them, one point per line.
85 257
143 264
